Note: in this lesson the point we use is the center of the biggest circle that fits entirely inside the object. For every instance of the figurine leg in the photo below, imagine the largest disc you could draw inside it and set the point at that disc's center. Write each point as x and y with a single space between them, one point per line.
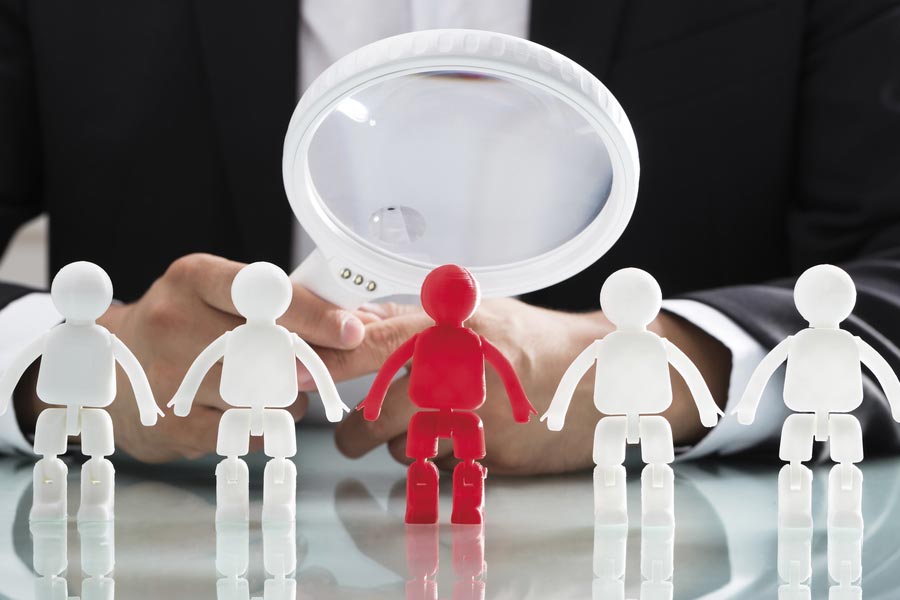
610 502
795 479
232 475
845 480
468 477
657 479
280 478
50 484
422 476
97 474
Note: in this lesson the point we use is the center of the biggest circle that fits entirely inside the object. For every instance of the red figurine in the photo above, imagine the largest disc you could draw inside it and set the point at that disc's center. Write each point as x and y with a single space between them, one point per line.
447 380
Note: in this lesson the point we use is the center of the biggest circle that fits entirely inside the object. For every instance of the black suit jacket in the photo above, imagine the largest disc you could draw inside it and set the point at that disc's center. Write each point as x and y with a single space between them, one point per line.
769 135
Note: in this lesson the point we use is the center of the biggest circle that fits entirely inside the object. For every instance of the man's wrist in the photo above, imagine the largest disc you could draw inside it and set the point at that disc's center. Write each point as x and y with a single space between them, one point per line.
711 357
25 399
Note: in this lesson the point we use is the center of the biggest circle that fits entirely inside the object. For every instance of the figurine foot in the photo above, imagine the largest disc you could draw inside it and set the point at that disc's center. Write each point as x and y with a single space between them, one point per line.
610 502
795 497
50 490
845 497
422 493
97 491
658 496
468 494
232 491
280 491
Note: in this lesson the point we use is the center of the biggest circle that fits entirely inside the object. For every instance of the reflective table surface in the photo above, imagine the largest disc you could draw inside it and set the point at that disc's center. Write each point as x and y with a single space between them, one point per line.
350 541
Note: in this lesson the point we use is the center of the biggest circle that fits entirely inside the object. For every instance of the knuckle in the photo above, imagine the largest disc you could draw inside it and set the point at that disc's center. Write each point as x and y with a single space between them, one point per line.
163 316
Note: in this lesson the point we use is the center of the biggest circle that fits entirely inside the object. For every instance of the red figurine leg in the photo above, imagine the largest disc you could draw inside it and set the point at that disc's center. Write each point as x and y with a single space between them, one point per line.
468 476
422 476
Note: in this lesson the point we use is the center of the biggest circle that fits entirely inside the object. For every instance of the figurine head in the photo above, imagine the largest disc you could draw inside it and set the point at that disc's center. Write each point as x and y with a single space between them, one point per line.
261 292
630 298
824 295
81 292
450 295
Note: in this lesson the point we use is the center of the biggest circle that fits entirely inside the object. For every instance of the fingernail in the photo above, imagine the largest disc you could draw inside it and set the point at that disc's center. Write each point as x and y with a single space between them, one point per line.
304 379
352 331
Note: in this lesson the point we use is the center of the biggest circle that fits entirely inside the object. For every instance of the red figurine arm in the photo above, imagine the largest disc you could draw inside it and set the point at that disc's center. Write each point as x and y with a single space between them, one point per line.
372 404
522 408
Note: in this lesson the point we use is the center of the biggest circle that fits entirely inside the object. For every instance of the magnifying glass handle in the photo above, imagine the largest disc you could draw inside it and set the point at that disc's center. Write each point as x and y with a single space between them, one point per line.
331 282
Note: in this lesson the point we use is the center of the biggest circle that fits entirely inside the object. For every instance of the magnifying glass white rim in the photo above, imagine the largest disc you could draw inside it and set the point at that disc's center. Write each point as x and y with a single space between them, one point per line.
481 52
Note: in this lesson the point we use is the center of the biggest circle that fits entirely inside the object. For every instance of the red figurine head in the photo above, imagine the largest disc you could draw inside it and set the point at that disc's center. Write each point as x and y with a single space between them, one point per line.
450 295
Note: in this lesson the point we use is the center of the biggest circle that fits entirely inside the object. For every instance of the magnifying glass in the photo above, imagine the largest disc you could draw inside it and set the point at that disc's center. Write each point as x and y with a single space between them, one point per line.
456 146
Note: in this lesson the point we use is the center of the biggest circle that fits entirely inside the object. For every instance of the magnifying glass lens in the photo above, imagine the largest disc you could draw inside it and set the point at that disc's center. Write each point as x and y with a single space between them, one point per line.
459 166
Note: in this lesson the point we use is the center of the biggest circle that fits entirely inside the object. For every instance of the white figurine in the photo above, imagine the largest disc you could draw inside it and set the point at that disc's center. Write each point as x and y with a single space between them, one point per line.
823 383
632 387
77 374
259 377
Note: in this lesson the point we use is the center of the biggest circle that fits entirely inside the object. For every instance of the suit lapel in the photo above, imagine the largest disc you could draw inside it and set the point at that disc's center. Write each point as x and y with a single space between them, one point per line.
250 53
584 30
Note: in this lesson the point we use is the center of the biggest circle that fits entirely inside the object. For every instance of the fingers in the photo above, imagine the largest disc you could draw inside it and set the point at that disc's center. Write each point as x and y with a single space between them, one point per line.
356 436
315 320
209 276
382 338
322 323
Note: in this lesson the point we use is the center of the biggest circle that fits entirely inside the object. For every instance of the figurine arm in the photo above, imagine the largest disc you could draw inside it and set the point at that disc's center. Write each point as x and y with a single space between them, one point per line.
184 397
143 395
371 406
746 408
17 368
706 405
886 377
334 407
521 407
559 406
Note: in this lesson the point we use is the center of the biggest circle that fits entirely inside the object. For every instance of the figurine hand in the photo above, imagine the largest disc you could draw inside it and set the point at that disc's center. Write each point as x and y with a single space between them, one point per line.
182 404
554 421
745 414
177 318
523 414
709 418
149 418
369 408
335 414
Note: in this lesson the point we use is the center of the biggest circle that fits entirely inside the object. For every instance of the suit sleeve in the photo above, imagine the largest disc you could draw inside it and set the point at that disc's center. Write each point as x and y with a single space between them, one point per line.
847 191
20 149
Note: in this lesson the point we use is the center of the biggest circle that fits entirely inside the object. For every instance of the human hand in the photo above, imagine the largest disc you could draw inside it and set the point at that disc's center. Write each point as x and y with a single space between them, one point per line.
540 344
182 313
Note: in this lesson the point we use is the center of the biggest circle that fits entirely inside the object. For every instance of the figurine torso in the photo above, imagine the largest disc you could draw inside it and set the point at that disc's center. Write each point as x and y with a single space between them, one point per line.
823 372
259 368
632 374
77 367
447 369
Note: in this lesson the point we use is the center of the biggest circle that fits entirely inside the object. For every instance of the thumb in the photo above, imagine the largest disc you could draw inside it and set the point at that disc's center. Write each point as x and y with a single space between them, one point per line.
382 338
322 323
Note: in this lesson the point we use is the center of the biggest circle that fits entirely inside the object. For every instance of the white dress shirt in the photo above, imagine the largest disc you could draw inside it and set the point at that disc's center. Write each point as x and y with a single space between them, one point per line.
329 29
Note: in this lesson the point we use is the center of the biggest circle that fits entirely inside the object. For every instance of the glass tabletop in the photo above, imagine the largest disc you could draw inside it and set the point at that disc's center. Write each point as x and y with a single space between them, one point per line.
350 541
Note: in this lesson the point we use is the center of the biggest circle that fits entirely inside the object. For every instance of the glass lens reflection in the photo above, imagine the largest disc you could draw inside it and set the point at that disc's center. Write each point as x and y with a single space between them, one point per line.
459 167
